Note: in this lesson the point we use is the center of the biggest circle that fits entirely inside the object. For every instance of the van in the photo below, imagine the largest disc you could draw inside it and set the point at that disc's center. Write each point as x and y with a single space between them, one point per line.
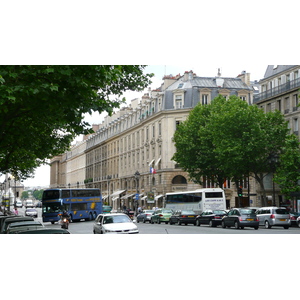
273 216
29 203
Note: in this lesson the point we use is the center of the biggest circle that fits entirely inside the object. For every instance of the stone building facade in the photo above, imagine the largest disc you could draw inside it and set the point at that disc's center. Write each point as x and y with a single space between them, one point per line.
138 138
279 90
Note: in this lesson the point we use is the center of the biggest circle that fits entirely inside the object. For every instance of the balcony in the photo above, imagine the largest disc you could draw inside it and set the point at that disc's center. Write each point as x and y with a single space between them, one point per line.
281 89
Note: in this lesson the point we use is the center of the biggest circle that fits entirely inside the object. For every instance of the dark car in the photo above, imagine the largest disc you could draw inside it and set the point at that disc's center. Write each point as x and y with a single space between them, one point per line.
294 216
45 231
10 220
183 217
211 217
145 216
240 218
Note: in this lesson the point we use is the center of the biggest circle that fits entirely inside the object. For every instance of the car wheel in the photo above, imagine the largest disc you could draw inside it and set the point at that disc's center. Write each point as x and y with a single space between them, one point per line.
137 220
256 227
179 223
286 227
198 222
166 222
151 221
144 221
267 225
298 224
158 221
236 225
210 224
223 224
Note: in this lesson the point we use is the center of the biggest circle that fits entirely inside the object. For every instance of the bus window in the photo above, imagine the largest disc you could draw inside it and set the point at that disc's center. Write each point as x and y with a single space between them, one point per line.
51 194
65 193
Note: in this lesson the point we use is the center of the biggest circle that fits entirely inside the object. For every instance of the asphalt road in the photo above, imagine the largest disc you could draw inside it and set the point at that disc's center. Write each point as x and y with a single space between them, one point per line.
86 227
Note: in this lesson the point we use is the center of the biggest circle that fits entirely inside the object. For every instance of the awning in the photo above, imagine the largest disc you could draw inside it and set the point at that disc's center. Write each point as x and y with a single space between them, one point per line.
117 193
150 164
157 162
157 197
144 198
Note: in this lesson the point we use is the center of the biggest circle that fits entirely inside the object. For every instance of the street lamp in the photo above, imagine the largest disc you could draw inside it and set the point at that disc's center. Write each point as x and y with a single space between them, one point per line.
137 176
273 160
108 181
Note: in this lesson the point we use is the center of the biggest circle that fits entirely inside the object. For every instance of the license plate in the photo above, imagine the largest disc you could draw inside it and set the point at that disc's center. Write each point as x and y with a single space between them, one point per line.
249 219
191 216
282 219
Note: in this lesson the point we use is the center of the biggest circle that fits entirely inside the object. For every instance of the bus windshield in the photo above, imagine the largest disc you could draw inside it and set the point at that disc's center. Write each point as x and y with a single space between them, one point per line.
52 207
51 194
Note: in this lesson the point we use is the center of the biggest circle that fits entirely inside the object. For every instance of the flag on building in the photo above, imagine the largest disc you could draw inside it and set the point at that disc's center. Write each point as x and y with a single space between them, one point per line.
152 170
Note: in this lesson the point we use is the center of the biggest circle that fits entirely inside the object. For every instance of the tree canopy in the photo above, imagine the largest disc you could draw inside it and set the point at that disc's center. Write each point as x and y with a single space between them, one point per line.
230 139
42 108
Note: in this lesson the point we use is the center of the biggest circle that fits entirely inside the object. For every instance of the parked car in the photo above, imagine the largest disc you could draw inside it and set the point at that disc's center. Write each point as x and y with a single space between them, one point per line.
240 218
298 222
211 217
183 217
7 221
45 231
114 223
145 216
274 216
161 215
31 212
23 226
294 216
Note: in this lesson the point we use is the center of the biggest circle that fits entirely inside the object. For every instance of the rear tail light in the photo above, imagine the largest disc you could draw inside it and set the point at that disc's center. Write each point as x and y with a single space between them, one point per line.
272 216
240 218
292 217
183 216
160 215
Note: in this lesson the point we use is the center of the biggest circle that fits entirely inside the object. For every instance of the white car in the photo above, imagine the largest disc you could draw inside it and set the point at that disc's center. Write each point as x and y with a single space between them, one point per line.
114 223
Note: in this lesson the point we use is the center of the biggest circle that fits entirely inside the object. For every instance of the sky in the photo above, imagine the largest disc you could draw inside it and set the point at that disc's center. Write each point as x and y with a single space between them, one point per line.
221 35
42 174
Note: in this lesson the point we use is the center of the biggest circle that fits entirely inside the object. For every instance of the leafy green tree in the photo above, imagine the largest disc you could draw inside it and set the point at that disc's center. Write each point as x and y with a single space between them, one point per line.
42 108
37 194
24 195
288 171
229 139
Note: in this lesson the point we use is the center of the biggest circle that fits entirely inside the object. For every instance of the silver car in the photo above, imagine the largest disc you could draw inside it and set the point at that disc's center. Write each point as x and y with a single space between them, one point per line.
273 216
114 223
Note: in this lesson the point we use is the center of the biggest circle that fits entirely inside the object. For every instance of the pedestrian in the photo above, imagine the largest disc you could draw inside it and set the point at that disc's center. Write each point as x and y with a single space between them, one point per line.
16 211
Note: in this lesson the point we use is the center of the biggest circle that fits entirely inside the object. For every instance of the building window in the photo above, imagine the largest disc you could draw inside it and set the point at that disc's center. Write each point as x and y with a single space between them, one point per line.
178 101
204 99
244 98
296 125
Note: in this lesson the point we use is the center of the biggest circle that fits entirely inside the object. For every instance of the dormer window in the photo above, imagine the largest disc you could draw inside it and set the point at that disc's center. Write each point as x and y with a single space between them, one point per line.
178 101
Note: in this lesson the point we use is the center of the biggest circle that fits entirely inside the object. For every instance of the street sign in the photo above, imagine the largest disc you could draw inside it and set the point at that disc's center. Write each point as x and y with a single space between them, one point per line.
137 197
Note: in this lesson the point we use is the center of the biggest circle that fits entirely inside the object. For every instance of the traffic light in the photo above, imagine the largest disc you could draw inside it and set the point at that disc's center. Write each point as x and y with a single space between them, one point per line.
240 191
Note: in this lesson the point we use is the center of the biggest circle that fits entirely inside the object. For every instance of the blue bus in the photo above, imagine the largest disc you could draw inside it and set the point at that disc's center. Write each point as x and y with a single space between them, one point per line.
79 203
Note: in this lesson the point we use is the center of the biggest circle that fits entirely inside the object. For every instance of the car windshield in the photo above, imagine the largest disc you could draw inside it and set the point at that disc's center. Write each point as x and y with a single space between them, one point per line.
281 211
148 211
166 211
188 212
30 209
116 219
246 211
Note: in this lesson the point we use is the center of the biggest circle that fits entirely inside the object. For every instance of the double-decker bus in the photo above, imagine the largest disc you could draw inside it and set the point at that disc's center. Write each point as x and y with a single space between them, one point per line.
79 203
197 200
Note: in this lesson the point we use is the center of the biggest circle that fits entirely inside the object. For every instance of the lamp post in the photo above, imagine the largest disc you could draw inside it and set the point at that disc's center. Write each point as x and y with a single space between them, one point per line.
108 182
137 196
273 161
9 179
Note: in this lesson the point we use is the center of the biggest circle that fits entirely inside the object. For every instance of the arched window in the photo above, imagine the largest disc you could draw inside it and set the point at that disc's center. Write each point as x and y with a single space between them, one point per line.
179 180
